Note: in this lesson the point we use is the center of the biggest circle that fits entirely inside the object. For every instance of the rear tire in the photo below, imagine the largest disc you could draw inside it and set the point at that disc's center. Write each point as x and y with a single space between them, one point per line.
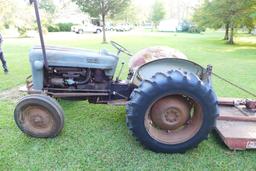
39 116
164 87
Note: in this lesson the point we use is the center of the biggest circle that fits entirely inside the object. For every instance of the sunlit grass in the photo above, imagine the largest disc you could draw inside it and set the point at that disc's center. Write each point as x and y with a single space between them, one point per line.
95 136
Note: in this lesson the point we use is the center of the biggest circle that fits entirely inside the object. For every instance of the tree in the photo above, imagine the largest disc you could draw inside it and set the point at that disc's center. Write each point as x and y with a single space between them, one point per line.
129 15
158 12
16 13
7 12
206 16
24 20
48 12
102 8
249 23
48 6
228 13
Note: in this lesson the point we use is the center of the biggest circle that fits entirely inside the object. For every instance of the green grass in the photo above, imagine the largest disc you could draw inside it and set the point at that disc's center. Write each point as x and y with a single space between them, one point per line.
96 137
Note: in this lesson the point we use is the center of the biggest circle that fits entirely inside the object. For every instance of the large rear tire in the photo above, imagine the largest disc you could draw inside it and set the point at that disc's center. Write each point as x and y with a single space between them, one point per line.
172 113
39 116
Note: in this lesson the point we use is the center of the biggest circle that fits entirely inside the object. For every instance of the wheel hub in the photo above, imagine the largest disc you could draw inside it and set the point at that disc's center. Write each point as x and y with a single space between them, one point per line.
37 119
173 119
170 113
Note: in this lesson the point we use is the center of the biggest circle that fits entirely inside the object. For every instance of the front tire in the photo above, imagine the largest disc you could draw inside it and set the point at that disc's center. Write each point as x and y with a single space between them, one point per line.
98 31
39 116
80 31
172 113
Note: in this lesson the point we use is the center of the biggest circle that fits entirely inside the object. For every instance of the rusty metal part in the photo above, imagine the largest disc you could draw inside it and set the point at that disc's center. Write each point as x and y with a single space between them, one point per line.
154 53
99 76
237 135
29 83
164 128
57 82
170 113
64 77
232 113
74 90
60 95
37 119
236 129
250 104
28 88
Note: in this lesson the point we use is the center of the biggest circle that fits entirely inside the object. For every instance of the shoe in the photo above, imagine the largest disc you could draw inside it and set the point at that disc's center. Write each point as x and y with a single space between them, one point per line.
6 71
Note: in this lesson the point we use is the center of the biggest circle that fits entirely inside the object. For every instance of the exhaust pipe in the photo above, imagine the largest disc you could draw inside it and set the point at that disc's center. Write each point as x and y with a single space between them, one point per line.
39 25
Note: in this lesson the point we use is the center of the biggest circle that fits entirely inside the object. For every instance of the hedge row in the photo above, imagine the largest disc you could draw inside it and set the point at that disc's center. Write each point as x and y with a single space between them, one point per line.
60 27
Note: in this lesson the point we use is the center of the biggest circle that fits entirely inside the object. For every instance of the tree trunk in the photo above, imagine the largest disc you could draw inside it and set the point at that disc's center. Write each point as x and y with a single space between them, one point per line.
103 15
250 31
226 37
231 38
104 28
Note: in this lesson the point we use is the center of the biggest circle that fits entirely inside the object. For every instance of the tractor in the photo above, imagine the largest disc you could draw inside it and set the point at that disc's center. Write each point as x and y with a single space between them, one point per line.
171 105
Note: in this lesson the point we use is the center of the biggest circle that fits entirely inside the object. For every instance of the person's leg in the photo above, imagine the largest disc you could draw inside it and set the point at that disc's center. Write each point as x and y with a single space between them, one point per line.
3 62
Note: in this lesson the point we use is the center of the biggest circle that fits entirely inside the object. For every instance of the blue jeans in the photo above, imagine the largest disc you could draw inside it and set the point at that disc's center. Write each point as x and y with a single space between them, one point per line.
3 61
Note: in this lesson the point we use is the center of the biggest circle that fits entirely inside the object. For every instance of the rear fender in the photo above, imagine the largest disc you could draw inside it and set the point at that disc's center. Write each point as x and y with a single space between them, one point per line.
146 71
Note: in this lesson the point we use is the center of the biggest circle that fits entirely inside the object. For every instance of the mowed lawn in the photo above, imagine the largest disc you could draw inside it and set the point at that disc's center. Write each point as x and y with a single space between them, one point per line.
96 137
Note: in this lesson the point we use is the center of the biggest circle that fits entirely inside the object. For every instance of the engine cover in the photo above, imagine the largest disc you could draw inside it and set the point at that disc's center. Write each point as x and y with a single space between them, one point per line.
70 57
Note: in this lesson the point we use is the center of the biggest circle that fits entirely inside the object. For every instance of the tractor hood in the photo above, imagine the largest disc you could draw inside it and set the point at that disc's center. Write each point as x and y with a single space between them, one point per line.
79 58
67 57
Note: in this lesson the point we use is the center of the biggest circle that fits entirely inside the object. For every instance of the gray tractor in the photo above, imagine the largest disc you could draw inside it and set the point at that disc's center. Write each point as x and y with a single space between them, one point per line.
171 106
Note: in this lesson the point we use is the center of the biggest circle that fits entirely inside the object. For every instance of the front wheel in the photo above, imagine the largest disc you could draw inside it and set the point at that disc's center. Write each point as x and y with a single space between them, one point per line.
80 31
172 112
39 116
98 31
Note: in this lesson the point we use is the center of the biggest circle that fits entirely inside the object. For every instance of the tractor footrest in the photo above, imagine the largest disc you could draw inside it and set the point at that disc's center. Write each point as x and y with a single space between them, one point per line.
236 128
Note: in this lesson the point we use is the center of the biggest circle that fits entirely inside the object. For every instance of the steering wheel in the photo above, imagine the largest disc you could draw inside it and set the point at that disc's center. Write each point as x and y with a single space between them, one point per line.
120 48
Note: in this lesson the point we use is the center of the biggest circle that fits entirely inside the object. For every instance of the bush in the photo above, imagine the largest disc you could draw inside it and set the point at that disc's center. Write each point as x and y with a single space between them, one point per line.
65 27
53 28
186 26
195 29
23 31
60 27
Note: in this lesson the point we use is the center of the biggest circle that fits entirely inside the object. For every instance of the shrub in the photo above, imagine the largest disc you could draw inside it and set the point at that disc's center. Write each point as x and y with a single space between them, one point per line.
60 27
53 28
186 26
23 31
65 27
196 29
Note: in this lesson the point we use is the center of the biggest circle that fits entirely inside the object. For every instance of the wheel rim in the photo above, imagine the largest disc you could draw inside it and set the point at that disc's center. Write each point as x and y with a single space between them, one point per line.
173 119
36 119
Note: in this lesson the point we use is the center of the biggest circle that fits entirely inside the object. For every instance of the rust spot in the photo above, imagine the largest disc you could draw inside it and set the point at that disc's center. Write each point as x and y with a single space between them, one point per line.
154 53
